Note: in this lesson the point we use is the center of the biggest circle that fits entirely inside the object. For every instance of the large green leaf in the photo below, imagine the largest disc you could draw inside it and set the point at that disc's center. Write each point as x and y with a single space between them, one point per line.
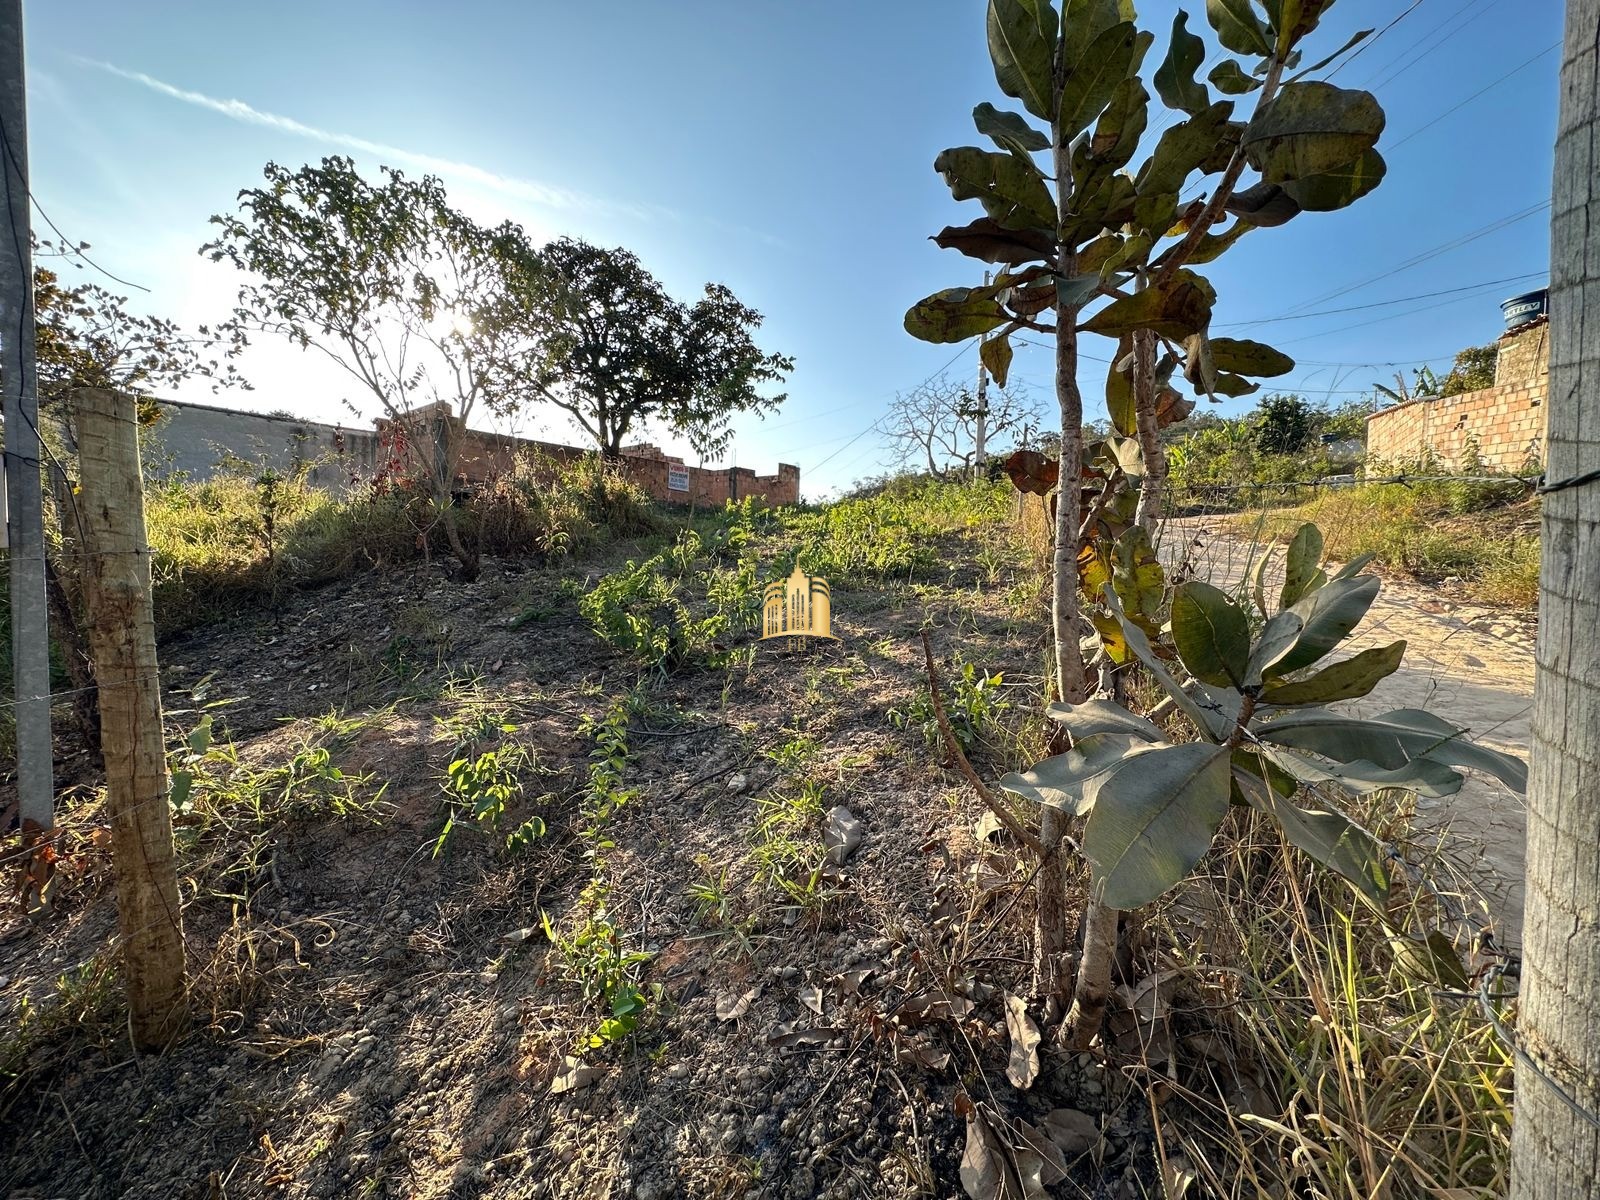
1278 637
1077 291
1174 309
1390 740
1093 79
954 315
1227 77
1119 391
1238 28
1136 574
1022 45
1084 20
1355 39
995 354
1311 128
1009 130
1152 818
1245 357
1102 716
1228 384
1263 205
1139 644
990 241
1329 614
1115 138
1183 148
1175 81
1328 837
1059 781
1339 188
1424 776
1302 568
1211 633
1011 191
1347 680
1296 18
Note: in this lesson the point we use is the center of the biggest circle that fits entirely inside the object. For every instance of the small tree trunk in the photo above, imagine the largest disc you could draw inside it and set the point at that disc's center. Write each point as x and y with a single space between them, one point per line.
1050 928
116 579
1555 1152
1152 488
68 629
448 434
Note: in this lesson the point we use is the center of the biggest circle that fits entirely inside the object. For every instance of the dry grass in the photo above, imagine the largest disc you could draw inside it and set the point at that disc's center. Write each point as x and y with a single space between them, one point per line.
1491 554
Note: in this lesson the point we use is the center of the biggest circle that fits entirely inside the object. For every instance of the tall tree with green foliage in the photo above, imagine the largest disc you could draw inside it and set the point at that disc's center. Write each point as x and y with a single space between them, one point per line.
627 352
1090 246
414 301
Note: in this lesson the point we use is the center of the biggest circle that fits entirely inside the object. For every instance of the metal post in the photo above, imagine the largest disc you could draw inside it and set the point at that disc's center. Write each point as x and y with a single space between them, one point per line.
983 409
30 638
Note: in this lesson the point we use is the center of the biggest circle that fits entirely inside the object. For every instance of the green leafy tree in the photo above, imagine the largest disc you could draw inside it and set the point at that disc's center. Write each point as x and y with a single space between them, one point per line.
1284 424
415 302
1089 245
626 352
1472 371
89 337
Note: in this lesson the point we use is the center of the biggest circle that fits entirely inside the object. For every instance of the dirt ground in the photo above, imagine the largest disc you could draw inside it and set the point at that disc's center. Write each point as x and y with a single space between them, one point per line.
377 1020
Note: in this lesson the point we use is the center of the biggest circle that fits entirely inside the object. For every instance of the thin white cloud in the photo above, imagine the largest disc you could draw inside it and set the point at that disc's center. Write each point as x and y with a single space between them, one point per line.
542 194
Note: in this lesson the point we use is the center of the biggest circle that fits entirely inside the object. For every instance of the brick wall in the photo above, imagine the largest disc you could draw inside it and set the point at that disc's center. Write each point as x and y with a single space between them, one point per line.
485 455
1506 420
198 440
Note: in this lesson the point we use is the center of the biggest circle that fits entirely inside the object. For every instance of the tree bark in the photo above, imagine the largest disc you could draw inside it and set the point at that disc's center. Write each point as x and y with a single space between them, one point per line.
116 580
1152 488
1050 925
1555 1152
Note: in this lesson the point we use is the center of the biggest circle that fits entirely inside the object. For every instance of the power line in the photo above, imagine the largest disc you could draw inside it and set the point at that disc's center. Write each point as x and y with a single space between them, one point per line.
1485 88
1424 256
1395 67
1371 41
1325 312
75 251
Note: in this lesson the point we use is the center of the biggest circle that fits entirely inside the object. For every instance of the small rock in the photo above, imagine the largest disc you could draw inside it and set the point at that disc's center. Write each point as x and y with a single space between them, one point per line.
737 783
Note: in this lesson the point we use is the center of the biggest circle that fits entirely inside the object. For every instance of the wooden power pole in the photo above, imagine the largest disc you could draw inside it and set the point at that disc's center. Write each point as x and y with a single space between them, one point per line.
30 634
122 635
1555 1149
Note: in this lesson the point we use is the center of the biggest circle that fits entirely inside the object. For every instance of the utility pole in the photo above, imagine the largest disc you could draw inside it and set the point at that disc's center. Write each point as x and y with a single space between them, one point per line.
983 408
1555 1141
30 634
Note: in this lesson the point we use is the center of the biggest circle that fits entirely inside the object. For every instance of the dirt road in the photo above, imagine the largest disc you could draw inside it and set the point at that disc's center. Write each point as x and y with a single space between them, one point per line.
1472 666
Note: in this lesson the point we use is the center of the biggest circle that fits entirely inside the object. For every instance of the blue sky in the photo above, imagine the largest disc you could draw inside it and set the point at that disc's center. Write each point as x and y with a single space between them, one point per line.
783 149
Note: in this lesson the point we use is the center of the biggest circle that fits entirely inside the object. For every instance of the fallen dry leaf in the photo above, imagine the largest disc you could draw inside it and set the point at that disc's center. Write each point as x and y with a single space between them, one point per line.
1072 1132
574 1076
1023 1068
841 835
731 1007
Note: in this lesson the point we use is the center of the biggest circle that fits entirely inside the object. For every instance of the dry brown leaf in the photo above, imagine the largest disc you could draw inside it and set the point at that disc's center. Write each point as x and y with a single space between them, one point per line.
841 835
986 1170
731 1007
574 1076
1023 1068
811 996
1073 1132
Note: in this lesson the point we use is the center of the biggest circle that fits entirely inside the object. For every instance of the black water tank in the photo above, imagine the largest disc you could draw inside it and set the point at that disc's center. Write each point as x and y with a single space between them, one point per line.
1529 306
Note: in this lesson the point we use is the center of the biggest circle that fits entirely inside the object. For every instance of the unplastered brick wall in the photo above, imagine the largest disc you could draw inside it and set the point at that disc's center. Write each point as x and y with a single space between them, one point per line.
1505 422
485 455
